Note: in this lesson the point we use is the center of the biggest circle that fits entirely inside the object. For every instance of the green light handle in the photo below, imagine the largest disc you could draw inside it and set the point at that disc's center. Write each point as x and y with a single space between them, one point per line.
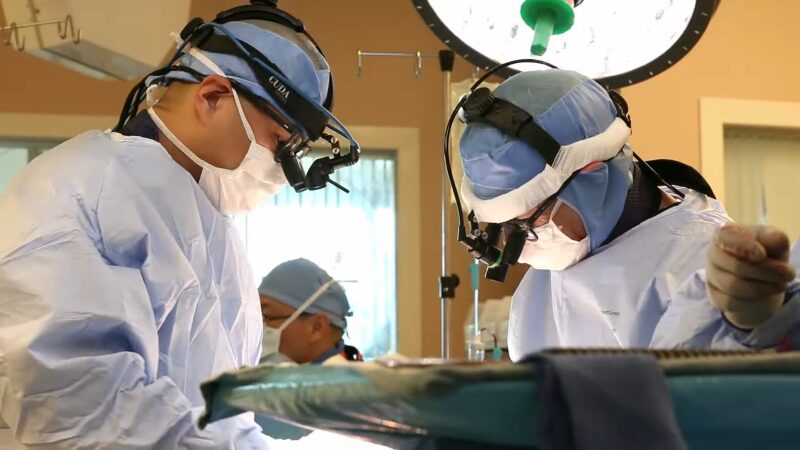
542 32
546 18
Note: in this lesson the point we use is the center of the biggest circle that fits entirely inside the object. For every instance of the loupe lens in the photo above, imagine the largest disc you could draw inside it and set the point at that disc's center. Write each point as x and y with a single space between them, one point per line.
293 170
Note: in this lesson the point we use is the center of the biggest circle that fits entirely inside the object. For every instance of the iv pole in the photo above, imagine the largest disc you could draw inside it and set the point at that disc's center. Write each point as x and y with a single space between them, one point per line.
447 281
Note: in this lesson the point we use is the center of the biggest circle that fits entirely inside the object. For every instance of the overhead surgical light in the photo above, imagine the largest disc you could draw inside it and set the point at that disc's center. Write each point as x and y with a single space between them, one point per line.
616 42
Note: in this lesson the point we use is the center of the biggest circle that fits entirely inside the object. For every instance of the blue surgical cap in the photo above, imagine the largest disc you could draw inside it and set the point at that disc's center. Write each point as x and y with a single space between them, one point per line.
570 107
293 53
293 282
566 104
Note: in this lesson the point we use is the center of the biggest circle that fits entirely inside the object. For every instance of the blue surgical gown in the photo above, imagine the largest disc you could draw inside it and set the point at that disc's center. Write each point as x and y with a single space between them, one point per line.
121 290
644 289
692 321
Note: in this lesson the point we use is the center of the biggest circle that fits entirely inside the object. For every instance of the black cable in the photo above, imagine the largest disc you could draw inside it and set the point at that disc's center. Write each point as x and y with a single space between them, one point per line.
125 113
462 231
658 176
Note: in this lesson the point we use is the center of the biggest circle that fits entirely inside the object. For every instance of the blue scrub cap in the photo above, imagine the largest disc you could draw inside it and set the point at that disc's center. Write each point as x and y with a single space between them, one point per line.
293 53
570 107
566 104
293 282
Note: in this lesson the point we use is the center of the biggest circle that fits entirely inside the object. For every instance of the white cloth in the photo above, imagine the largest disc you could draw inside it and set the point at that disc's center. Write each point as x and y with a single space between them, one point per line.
121 289
616 297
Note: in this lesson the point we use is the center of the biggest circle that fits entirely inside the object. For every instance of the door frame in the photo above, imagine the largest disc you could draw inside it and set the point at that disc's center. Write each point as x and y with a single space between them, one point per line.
717 113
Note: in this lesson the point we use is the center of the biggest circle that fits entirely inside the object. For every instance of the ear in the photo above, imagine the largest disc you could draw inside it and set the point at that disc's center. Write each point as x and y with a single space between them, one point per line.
320 325
208 95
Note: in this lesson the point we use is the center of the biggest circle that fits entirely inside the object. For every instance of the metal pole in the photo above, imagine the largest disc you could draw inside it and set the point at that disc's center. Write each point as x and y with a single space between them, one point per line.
36 24
408 54
475 351
445 304
448 281
419 56
476 299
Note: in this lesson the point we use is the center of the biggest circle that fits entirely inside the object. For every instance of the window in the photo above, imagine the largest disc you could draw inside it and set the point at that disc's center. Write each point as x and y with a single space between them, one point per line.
390 291
15 154
352 236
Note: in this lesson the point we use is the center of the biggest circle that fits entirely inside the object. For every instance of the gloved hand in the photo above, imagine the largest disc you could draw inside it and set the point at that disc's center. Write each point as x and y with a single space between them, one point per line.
747 273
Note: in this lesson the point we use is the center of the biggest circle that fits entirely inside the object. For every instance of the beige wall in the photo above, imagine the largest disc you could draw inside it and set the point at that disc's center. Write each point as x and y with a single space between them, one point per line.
748 52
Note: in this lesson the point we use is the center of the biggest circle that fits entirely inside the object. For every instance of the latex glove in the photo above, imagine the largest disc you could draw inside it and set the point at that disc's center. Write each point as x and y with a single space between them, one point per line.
747 273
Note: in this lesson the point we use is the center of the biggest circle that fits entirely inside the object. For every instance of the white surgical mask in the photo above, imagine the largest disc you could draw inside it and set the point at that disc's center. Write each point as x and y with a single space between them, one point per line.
239 190
271 340
554 250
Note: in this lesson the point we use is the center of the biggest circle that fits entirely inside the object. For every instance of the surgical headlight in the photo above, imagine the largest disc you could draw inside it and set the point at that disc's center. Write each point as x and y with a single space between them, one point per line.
291 152
290 156
306 120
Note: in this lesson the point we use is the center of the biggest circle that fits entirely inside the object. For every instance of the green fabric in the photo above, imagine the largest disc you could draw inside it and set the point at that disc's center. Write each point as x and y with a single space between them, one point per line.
721 402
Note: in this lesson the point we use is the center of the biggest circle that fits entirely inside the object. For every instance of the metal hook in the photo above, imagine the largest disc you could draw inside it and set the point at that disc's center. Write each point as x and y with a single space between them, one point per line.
6 40
69 28
360 64
13 30
418 68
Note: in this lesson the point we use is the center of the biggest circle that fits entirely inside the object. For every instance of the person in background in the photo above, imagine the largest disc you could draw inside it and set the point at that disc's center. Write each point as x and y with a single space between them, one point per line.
305 315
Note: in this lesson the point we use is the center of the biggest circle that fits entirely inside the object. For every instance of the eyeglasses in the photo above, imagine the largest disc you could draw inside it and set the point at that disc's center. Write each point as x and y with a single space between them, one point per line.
526 225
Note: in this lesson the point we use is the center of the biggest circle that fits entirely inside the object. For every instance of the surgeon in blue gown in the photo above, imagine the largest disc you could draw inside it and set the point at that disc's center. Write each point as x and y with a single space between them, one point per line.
618 251
123 283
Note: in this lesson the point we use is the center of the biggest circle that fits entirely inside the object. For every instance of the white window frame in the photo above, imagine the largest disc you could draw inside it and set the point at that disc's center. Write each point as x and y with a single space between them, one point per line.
405 141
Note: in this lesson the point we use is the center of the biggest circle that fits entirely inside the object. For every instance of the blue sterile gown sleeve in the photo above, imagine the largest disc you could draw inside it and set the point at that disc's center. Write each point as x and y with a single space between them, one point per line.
692 321
121 290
